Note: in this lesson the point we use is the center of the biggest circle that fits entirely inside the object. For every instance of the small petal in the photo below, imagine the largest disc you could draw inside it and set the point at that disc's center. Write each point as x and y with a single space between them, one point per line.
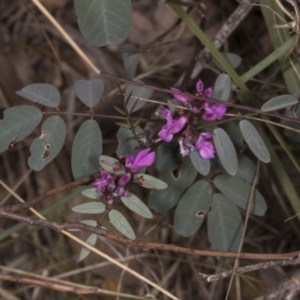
208 93
120 190
179 98
207 150
126 193
213 111
111 187
143 159
124 179
110 201
200 86
178 125
98 182
165 135
219 110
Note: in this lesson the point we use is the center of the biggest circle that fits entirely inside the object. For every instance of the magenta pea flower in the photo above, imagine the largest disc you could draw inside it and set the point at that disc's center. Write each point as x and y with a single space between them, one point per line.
180 98
172 127
205 148
213 111
143 159
200 90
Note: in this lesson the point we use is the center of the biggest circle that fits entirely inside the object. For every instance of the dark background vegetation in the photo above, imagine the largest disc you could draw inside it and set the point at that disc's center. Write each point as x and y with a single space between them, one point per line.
27 41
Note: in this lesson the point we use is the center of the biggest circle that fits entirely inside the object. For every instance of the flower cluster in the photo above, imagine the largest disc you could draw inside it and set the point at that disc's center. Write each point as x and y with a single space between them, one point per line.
181 123
111 185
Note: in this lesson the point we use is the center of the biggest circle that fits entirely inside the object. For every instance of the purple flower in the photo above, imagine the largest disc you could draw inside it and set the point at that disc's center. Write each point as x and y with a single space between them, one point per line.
143 159
206 149
213 111
180 98
124 179
200 90
106 181
172 126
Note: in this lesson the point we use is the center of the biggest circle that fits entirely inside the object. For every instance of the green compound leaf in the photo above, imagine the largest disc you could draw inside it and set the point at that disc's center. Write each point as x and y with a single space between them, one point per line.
89 91
246 168
201 165
42 93
127 145
90 208
167 157
18 122
137 205
104 22
149 182
279 102
192 208
254 141
134 92
46 147
238 191
87 148
91 193
91 240
121 224
224 225
222 88
226 151
162 201
130 61
109 164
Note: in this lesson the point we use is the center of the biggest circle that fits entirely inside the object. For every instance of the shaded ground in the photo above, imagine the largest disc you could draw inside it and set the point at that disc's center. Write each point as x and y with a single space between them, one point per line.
27 41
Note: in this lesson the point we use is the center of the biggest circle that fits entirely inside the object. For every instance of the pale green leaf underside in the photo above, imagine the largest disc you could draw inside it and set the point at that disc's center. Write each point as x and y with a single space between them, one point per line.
90 208
130 61
226 151
91 193
109 164
47 146
86 149
279 102
104 22
89 91
42 93
238 191
192 208
137 205
254 141
18 122
121 224
164 200
150 182
135 92
201 165
222 88
91 240
224 225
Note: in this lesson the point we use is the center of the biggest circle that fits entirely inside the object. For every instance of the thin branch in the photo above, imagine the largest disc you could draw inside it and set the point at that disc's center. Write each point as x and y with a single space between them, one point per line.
50 285
62 226
250 268
53 192
210 100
